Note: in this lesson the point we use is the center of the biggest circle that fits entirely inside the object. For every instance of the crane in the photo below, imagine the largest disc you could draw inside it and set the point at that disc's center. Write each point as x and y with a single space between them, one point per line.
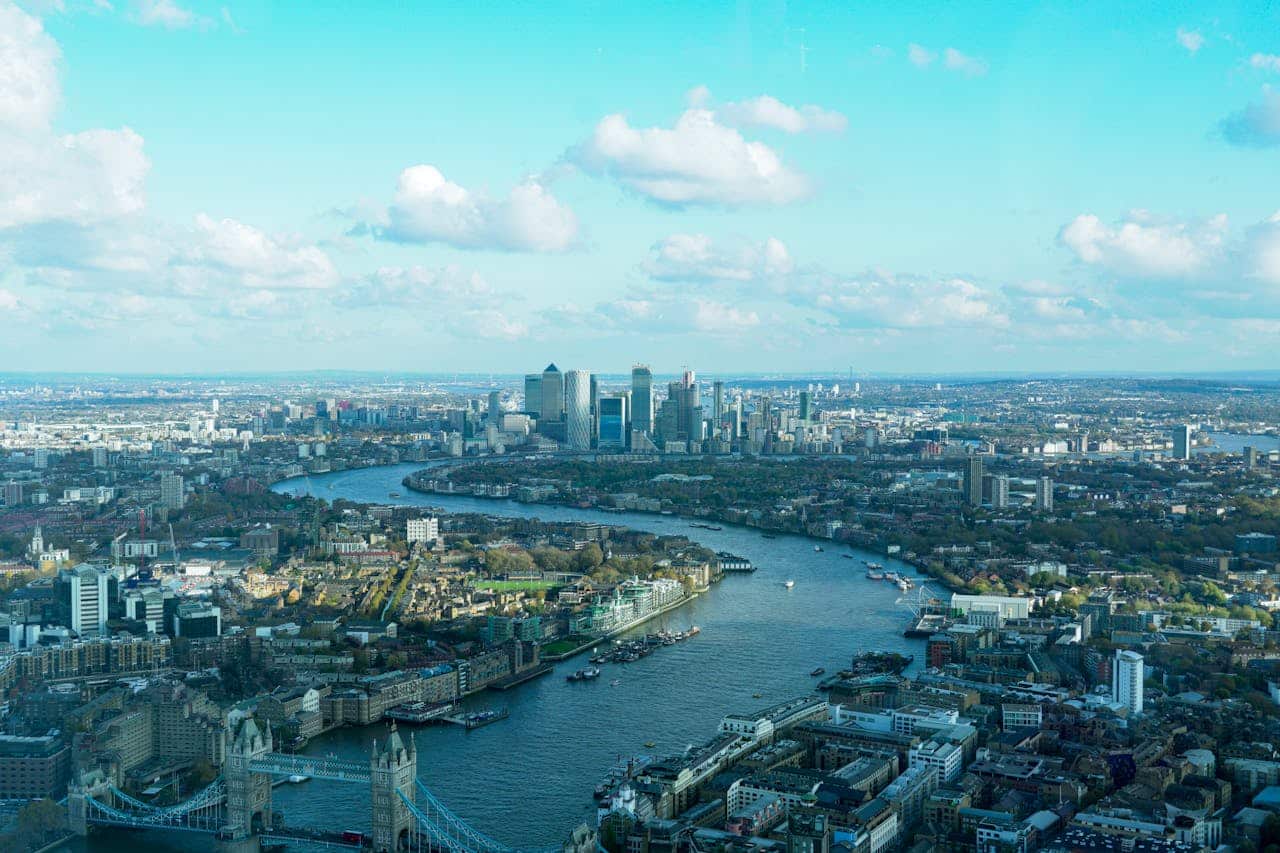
173 548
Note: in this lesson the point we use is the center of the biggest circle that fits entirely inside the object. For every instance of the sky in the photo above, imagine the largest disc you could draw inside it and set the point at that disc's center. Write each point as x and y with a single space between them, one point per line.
756 186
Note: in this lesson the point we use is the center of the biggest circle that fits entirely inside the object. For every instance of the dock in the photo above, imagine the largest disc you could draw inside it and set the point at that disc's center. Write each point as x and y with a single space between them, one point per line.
477 719
521 677
420 712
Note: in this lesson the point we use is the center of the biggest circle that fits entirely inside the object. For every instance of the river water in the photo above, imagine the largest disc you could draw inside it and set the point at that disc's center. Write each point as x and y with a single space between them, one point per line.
528 780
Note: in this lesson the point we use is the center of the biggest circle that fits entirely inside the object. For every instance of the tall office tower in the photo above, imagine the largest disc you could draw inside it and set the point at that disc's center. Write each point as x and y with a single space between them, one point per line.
495 405
691 414
737 417
577 409
667 421
42 458
1000 492
973 481
553 394
642 399
533 394
612 428
765 408
1082 442
12 493
86 588
99 457
172 492
1044 495
804 406
717 407
1126 680
1182 441
595 401
1251 457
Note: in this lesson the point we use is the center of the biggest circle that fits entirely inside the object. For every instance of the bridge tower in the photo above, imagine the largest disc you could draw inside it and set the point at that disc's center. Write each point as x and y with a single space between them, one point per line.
248 793
84 787
393 770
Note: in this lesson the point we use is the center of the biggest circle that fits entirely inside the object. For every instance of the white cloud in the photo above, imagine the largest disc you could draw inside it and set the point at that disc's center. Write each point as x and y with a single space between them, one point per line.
919 56
78 178
970 66
906 302
1192 40
768 111
696 257
256 259
719 318
29 90
418 285
1262 251
697 162
1144 247
1257 125
9 300
428 208
1265 62
167 14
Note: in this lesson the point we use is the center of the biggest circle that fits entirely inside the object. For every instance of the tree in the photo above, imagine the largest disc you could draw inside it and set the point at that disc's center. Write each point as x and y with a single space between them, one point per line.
588 558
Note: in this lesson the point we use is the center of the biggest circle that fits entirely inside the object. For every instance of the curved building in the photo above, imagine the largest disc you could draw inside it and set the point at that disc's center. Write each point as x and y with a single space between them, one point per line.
577 409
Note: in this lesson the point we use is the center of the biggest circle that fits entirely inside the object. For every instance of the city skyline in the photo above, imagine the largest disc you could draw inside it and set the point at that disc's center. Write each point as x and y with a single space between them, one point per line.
206 188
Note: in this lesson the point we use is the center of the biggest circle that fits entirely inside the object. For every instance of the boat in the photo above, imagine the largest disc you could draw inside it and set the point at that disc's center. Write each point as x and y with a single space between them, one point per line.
768 536
875 567
818 671
817 548
756 695
875 576
587 674
393 494
615 682
693 631
904 585
788 584
847 556
649 744
298 778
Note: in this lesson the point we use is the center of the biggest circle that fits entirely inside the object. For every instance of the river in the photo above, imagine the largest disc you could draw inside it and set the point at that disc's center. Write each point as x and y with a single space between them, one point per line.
528 780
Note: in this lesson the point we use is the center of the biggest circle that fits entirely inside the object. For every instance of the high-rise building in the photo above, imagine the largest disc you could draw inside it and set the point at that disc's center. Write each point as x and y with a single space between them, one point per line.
1044 495
425 529
552 408
12 493
612 428
805 404
577 409
172 491
717 407
495 406
42 457
99 457
642 399
973 481
533 394
1126 680
1182 441
1000 492
691 414
86 591
1250 457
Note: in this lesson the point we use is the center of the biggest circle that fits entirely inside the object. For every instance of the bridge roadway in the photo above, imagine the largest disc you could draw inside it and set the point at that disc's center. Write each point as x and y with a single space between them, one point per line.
317 767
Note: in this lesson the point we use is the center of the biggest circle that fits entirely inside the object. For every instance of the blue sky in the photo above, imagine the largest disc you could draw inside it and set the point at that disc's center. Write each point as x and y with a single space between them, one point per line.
750 186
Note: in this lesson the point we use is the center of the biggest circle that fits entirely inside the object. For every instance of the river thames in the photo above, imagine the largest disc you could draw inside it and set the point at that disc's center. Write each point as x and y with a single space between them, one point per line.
528 780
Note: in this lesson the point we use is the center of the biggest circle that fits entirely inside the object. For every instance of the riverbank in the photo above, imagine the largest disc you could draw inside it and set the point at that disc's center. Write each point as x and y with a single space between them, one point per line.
636 623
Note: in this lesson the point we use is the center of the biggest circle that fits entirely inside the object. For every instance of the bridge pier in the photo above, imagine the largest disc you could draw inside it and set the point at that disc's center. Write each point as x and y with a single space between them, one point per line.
393 771
248 793
248 844
81 789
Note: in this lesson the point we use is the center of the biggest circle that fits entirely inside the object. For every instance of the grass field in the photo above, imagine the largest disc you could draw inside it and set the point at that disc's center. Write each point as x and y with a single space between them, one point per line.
514 586
561 647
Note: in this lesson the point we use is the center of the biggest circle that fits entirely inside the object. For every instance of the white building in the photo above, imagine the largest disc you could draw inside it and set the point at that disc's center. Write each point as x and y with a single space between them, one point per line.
87 592
1044 495
172 491
944 757
422 529
1126 680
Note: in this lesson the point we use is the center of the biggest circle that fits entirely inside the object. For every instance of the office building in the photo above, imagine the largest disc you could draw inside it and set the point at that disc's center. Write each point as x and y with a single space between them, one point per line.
1182 442
533 394
196 619
805 404
999 492
691 414
42 458
1044 495
495 406
577 409
552 408
612 428
1126 680
717 407
642 399
973 481
172 491
34 767
86 596
12 493
99 457
422 529
1250 457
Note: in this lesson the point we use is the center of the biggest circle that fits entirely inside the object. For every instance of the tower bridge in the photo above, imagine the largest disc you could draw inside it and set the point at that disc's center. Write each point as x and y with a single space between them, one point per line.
236 806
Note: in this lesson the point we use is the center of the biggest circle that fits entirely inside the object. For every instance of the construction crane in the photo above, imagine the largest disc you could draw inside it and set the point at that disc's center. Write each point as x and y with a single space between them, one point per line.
173 547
